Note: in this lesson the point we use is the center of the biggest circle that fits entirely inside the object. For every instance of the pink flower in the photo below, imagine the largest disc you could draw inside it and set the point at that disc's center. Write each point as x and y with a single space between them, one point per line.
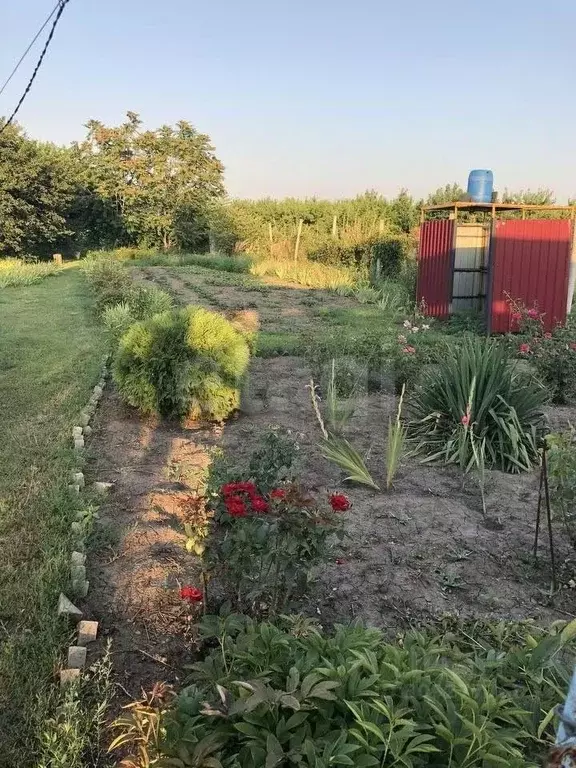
548 335
533 314
524 349
465 420
278 493
409 350
517 316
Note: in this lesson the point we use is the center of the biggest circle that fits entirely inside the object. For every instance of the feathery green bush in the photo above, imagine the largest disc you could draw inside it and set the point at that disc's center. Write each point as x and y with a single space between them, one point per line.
187 362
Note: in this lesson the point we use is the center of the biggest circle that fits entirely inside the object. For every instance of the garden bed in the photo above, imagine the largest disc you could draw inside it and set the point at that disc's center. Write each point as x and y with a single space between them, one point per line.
413 554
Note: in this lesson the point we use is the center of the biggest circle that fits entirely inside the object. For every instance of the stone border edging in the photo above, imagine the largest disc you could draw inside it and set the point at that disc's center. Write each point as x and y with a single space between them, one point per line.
87 630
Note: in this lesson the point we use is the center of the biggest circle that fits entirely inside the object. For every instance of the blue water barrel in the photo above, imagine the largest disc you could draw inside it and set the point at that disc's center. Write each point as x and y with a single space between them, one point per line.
480 186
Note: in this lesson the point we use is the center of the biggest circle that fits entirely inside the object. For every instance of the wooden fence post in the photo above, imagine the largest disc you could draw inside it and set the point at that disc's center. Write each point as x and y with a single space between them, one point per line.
298 235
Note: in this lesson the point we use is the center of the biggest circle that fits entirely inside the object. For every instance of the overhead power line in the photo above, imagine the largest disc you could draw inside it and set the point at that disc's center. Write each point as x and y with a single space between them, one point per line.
27 51
60 9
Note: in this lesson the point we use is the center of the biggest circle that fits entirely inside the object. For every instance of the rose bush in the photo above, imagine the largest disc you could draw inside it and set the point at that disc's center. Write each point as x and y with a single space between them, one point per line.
552 353
262 548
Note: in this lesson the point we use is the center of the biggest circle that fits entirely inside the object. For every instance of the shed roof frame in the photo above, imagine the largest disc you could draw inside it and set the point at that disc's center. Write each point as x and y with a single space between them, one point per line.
493 208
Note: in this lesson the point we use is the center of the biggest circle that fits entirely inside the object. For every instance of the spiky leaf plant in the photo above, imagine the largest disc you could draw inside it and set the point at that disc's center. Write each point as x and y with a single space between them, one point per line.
477 393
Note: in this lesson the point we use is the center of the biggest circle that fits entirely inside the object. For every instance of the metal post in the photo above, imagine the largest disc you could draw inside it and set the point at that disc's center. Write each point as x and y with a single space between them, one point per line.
538 511
549 516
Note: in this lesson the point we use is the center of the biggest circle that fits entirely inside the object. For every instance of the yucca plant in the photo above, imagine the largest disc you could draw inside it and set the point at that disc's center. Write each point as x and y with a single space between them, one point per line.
339 451
478 394
338 411
396 442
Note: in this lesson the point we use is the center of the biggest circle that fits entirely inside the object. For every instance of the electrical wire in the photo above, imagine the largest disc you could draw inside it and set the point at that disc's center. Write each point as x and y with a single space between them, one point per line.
61 5
27 51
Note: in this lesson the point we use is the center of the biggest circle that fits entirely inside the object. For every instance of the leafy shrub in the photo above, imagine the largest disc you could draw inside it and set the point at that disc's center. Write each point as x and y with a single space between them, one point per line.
554 357
291 695
561 465
393 298
117 318
109 279
387 258
354 252
266 534
263 547
187 362
140 303
122 254
219 262
477 394
552 353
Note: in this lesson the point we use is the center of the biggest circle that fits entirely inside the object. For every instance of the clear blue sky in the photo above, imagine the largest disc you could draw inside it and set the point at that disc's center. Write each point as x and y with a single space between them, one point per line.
319 97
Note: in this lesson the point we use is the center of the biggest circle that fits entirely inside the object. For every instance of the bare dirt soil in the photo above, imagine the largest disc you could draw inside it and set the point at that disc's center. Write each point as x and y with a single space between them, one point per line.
415 553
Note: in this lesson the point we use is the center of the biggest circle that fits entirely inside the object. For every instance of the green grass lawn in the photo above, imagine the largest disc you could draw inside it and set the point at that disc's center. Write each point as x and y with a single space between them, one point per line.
51 349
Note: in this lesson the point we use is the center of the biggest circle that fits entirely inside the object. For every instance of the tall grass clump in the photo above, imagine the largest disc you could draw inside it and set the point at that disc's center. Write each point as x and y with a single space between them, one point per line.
477 396
182 363
308 274
140 303
16 272
110 281
396 442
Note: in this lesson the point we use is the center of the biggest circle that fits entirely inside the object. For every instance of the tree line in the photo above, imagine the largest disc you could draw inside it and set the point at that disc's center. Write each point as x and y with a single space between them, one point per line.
164 188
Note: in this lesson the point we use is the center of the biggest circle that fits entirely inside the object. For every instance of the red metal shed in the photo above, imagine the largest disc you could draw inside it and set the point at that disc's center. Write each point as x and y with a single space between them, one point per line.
473 259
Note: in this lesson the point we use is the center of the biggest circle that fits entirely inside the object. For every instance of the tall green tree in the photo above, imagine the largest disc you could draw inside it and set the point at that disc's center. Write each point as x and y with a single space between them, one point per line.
37 187
154 178
450 193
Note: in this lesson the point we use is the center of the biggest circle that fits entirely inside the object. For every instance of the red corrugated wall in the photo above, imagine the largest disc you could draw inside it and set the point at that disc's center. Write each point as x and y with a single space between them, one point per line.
435 266
530 262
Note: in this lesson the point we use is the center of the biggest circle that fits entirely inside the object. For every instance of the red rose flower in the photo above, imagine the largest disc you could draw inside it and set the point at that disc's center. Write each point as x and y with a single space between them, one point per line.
246 487
259 504
191 594
524 349
239 487
278 493
339 502
235 506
